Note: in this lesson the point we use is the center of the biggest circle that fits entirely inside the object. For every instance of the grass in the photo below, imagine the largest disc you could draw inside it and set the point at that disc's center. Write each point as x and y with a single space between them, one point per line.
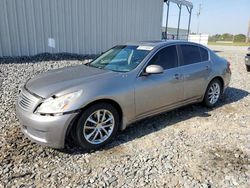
230 44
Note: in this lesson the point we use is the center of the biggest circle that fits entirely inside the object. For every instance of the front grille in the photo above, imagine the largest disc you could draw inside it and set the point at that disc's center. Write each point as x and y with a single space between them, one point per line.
27 101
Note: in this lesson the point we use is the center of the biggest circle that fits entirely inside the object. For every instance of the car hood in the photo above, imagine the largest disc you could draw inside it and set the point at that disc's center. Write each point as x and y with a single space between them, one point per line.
52 82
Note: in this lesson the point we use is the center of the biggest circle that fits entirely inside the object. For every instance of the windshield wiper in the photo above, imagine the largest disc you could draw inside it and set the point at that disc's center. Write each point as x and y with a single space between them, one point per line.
89 64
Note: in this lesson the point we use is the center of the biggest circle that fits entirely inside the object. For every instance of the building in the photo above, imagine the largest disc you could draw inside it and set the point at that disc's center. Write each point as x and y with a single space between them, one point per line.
29 27
172 33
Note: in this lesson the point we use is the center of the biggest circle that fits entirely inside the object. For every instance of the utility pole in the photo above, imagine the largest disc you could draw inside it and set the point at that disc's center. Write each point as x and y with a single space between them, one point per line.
178 29
248 33
166 29
198 18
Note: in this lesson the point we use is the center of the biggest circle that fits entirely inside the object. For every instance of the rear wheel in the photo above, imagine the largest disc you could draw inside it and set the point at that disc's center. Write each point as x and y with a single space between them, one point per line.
97 126
213 93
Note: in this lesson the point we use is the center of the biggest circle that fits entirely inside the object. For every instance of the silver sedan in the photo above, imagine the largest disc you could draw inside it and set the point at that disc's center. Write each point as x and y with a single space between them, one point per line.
90 103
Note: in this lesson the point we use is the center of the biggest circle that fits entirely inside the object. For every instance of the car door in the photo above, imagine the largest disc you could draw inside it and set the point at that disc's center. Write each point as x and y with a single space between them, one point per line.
195 68
157 92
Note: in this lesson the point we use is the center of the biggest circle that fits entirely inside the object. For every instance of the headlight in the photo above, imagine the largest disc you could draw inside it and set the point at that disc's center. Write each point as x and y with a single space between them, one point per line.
59 104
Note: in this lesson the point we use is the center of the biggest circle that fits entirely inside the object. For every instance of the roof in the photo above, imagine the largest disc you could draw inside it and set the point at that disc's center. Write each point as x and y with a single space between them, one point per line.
161 43
146 43
153 43
181 2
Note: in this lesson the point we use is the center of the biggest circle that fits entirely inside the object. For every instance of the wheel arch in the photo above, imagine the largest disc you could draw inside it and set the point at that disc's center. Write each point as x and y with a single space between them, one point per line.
215 77
220 79
109 101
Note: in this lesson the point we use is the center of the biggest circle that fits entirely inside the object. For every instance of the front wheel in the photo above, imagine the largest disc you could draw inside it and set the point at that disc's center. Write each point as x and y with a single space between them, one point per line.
213 93
97 126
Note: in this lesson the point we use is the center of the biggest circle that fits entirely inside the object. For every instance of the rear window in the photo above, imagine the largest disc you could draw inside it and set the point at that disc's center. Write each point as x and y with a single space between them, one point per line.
204 54
191 54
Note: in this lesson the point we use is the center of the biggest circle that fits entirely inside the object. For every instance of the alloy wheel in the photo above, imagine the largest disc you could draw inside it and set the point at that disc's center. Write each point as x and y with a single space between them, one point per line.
214 93
99 126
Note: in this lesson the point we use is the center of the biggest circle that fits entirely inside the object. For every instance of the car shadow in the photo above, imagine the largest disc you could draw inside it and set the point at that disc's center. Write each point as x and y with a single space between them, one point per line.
158 122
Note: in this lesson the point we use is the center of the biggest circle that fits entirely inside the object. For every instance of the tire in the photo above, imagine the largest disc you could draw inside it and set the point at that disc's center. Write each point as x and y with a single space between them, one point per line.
248 68
91 135
214 89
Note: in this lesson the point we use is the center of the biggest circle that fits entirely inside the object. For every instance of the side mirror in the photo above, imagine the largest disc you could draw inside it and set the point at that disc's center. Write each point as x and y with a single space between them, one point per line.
153 69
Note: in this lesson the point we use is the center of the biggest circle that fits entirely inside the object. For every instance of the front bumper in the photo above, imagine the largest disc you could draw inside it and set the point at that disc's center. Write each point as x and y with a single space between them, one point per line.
247 60
45 130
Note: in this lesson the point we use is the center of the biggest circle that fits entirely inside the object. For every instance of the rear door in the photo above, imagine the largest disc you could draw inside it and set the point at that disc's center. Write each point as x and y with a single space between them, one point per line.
195 68
155 92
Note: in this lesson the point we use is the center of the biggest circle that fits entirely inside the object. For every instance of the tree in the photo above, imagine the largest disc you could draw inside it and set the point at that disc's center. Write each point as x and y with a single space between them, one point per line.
240 38
226 37
214 38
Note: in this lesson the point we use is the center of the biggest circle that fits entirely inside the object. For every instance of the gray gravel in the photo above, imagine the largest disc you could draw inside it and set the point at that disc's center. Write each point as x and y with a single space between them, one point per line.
188 147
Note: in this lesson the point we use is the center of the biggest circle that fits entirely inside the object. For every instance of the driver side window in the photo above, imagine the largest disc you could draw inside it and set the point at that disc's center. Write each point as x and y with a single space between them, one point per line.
166 57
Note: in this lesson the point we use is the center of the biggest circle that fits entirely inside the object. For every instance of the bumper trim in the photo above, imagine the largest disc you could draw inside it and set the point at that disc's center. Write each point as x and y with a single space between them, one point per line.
35 138
45 130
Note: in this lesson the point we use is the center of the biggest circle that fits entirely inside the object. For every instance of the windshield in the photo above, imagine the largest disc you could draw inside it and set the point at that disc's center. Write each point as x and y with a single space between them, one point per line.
122 58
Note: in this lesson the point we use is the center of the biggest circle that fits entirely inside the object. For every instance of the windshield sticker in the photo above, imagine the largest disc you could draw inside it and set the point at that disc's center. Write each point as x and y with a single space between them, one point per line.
148 48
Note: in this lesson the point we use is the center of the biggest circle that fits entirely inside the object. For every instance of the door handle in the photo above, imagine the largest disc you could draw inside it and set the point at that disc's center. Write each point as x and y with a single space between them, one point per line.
207 67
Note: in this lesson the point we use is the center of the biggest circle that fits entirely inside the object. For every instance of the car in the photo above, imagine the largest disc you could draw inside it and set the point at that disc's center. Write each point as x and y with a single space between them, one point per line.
90 103
247 60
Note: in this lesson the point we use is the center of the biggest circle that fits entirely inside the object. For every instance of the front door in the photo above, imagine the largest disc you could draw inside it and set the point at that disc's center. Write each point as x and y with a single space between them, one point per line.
156 92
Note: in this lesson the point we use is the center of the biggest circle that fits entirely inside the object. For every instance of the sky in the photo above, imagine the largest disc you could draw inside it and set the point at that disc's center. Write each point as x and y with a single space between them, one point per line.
217 16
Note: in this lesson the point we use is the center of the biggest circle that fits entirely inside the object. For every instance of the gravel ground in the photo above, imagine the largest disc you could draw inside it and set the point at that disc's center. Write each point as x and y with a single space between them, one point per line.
189 147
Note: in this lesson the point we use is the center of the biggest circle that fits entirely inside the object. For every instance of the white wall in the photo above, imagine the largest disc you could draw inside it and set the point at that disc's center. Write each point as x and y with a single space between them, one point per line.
199 38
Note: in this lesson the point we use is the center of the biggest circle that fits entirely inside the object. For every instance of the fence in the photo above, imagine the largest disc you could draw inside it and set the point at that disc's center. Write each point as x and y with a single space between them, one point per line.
199 38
